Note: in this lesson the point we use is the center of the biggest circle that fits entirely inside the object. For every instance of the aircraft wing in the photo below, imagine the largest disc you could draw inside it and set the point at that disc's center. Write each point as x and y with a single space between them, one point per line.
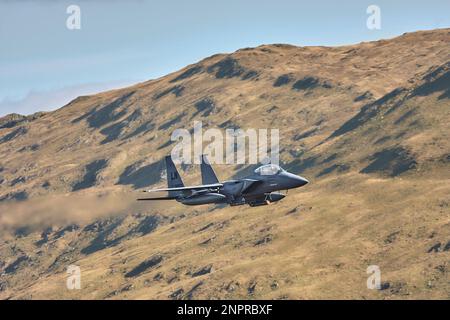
205 186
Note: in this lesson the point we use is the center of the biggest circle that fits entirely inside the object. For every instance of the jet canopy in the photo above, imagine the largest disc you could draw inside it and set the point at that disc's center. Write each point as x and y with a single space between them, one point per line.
268 170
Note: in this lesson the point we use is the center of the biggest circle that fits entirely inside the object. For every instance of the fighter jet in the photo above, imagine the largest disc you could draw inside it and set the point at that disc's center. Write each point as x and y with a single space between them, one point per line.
261 188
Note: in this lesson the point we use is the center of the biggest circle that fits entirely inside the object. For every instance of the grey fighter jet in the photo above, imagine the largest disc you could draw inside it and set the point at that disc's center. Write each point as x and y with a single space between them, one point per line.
259 189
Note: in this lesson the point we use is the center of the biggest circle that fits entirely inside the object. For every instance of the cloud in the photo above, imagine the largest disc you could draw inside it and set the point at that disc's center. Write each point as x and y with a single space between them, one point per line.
54 99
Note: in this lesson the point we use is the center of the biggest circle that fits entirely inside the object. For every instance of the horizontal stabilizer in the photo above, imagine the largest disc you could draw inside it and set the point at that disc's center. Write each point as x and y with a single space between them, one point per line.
153 199
206 186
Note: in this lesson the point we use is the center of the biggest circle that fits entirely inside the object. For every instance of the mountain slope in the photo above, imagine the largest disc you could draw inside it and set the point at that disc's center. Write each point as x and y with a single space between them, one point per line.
367 124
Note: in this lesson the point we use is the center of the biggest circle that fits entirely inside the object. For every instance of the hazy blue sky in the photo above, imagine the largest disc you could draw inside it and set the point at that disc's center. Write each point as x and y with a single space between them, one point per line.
43 64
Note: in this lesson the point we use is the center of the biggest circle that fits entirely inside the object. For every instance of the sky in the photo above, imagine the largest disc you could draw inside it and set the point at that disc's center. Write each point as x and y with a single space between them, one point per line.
44 64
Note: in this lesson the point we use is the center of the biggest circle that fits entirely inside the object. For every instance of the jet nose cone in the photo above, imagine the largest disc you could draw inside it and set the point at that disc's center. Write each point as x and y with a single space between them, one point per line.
295 181
302 181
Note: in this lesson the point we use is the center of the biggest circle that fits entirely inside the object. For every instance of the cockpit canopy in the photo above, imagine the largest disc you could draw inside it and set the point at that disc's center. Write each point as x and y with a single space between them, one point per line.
268 170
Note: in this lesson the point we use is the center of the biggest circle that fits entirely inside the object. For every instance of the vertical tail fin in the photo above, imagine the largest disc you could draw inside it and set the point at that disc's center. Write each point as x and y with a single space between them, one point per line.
208 175
173 177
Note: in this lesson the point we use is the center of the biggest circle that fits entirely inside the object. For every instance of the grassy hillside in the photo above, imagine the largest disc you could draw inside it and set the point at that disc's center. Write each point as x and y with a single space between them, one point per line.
367 124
